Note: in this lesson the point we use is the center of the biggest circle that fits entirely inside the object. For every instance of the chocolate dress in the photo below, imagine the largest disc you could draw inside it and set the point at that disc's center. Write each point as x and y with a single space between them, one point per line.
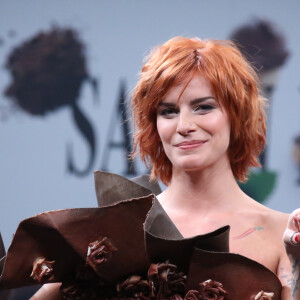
129 248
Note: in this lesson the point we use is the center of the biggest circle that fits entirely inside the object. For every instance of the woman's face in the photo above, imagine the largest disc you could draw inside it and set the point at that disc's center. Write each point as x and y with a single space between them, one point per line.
194 131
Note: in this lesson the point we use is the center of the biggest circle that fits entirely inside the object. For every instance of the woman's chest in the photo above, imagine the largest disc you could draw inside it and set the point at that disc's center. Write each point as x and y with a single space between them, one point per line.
248 237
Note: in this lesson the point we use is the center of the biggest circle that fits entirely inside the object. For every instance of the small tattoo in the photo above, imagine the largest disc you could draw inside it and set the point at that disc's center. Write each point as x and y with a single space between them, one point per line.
247 232
294 266
286 276
296 281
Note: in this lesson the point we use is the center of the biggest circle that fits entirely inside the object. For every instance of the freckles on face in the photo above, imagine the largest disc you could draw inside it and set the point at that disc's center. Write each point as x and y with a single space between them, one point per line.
194 131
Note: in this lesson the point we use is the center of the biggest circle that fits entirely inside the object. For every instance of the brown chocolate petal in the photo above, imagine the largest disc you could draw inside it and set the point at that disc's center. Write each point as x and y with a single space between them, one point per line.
42 270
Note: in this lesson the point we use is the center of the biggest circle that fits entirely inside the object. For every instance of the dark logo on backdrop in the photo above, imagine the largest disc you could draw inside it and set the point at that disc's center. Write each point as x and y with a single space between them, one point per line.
48 71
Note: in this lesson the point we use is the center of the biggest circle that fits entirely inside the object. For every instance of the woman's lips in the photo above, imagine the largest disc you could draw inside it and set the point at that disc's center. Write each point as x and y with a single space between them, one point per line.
190 144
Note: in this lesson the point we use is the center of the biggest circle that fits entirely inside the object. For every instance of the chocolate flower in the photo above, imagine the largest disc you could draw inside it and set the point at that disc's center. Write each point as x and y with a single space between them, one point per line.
99 252
264 296
208 290
42 270
72 291
192 295
211 290
133 287
164 281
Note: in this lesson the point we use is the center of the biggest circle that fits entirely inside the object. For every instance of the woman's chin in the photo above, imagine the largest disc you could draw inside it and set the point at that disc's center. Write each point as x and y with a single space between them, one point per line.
190 166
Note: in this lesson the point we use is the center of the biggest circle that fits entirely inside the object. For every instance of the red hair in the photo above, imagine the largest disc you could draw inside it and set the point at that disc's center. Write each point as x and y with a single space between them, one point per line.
234 83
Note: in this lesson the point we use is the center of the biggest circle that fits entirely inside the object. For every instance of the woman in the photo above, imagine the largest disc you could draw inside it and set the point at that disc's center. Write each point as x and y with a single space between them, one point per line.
200 123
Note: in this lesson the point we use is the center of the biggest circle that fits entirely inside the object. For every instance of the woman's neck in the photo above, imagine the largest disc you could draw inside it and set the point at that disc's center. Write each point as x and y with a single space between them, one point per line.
213 188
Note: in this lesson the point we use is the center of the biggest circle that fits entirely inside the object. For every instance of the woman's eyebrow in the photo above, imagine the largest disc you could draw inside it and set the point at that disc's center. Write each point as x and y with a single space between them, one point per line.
166 104
193 102
199 100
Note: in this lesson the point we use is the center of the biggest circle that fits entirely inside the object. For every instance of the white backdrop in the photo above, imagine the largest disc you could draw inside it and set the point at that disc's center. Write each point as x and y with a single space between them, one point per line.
118 34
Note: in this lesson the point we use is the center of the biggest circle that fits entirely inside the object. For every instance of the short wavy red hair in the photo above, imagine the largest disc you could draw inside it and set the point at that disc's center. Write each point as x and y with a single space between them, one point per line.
234 83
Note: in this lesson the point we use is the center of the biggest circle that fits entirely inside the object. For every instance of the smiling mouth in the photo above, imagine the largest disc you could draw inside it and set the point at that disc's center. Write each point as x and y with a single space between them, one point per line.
190 144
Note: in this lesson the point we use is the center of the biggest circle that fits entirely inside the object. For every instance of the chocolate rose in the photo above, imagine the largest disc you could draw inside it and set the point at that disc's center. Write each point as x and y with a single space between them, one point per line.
192 295
133 287
264 296
72 291
42 270
164 281
99 252
211 290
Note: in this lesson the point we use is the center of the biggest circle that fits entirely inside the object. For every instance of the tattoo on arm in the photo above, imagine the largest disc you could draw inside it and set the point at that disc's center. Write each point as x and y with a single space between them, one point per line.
247 232
295 278
286 277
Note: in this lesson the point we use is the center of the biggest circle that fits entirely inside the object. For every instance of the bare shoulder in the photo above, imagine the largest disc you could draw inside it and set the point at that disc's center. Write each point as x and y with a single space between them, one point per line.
274 222
269 216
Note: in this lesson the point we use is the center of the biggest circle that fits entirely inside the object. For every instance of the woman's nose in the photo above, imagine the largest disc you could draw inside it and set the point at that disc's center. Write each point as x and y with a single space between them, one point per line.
185 124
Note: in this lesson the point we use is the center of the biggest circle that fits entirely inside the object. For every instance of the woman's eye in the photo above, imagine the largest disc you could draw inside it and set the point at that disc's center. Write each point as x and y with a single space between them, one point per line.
204 107
168 112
